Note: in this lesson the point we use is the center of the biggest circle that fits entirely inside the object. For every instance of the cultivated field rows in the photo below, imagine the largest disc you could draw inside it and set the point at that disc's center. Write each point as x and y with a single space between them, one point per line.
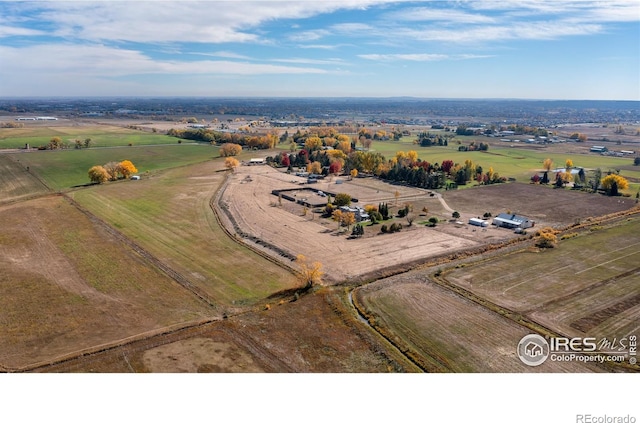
446 331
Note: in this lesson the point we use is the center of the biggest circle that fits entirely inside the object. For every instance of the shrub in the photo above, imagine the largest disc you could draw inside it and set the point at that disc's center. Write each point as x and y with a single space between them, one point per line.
395 227
342 199
384 229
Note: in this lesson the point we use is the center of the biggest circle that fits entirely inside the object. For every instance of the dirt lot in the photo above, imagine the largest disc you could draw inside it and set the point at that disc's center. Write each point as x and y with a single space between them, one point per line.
257 212
545 205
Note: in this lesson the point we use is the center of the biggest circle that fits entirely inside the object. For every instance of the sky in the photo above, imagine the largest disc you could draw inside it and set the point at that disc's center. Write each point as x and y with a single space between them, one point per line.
531 49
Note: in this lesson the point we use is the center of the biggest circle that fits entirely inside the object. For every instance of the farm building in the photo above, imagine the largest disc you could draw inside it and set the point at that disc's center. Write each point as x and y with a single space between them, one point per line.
512 221
358 212
598 149
256 162
474 221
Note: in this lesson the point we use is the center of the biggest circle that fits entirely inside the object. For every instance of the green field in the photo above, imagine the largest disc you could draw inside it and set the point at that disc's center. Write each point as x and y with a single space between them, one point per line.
519 163
64 169
101 136
169 215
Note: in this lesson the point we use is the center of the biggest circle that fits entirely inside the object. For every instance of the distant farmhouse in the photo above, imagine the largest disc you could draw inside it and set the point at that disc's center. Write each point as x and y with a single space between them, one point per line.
359 213
598 149
512 221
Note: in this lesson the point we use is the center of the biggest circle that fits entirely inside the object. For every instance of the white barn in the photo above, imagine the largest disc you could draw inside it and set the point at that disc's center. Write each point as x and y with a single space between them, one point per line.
512 221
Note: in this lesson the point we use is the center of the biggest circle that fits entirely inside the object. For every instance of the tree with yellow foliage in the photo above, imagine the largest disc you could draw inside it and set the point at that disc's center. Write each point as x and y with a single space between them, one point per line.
568 164
98 175
229 149
547 164
313 143
231 163
314 167
310 274
612 183
546 238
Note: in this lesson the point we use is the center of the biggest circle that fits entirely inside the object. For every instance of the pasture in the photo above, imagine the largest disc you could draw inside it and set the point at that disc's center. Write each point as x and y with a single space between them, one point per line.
65 169
588 284
517 161
67 284
169 214
38 134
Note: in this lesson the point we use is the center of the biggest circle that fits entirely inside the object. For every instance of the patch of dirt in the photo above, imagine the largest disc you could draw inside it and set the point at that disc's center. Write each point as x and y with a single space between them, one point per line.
199 355
545 205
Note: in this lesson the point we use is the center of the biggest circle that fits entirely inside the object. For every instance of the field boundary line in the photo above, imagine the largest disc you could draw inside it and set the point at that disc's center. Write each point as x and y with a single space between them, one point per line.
583 290
96 349
146 255
34 174
239 236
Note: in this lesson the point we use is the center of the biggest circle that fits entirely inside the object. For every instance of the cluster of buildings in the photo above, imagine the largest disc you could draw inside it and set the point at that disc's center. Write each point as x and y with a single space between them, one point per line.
360 214
38 118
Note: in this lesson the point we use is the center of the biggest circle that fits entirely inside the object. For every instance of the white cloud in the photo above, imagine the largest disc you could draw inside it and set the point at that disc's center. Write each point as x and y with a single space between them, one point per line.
110 62
509 31
416 14
225 54
176 21
420 57
10 31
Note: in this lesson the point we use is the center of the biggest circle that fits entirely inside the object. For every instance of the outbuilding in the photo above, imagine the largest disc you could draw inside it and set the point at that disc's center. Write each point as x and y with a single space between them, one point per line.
512 221
474 221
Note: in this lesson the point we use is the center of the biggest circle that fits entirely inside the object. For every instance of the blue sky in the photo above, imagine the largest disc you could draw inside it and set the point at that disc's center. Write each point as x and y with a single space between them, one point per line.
351 48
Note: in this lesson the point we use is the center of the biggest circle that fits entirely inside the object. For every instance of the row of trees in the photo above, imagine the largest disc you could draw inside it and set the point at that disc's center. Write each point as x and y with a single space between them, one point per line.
404 167
269 140
56 143
611 183
111 171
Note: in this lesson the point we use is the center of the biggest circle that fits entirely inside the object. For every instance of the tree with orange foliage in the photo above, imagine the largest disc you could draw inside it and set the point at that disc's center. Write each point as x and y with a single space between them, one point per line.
126 168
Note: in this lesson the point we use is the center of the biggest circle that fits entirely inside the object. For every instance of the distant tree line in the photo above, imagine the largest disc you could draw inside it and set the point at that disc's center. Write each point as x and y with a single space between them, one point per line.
216 137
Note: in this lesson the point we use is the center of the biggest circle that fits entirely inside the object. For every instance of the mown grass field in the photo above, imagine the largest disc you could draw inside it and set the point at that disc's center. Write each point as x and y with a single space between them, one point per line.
170 216
67 284
101 136
16 182
587 284
64 169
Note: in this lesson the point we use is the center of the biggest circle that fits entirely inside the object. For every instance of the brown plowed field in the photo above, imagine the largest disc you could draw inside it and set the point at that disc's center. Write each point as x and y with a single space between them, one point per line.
447 332
317 333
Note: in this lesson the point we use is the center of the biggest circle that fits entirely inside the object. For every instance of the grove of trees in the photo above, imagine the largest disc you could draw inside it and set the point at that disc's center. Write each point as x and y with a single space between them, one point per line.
111 171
